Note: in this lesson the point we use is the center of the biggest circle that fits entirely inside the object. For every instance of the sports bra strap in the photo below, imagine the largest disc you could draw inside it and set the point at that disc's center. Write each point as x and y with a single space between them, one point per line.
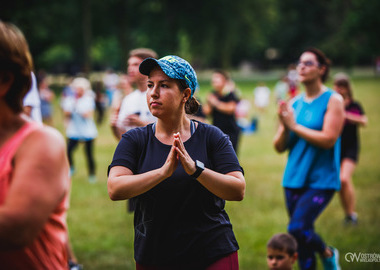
192 127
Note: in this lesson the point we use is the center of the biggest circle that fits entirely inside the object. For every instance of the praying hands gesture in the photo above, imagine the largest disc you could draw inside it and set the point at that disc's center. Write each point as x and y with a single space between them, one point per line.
179 153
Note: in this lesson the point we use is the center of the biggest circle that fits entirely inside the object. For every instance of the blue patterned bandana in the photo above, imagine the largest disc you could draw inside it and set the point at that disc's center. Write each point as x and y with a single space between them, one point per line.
174 67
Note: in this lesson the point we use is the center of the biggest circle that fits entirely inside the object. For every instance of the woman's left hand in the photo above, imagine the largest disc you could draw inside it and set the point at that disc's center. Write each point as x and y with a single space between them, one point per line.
187 162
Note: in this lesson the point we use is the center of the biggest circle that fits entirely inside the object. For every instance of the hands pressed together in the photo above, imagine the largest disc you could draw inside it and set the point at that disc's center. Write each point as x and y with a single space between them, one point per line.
177 154
286 115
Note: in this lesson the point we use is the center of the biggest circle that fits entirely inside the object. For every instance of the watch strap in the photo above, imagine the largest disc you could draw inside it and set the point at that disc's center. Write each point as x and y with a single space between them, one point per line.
199 169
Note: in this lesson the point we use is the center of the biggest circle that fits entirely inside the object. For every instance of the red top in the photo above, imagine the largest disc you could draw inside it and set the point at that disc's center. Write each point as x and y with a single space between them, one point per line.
48 251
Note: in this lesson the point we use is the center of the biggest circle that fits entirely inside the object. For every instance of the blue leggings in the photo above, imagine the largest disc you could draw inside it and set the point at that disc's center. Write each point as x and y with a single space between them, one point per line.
304 206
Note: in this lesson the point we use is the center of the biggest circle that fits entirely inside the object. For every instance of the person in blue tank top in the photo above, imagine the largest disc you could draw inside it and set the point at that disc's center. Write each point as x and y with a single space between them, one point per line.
310 128
179 173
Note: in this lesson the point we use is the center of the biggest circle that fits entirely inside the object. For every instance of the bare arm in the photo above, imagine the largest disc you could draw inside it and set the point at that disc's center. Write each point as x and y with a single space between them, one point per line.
332 124
40 181
281 138
361 120
123 184
230 186
224 107
116 131
88 114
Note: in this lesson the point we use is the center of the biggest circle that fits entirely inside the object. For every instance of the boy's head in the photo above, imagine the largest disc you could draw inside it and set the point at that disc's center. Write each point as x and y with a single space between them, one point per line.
281 252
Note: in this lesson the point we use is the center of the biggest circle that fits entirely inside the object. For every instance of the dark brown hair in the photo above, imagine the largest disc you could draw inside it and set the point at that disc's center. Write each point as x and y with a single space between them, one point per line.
192 104
342 81
322 60
283 242
16 60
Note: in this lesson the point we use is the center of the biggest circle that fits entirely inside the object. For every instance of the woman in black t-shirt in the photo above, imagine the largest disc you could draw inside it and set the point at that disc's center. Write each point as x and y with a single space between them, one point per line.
350 146
179 172
221 105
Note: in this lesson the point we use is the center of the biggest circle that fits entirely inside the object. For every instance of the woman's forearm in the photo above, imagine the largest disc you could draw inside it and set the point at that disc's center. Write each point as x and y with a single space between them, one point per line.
281 138
230 186
357 119
123 186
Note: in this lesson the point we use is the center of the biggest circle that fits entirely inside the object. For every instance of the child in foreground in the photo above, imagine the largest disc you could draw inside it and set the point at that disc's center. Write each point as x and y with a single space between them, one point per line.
281 252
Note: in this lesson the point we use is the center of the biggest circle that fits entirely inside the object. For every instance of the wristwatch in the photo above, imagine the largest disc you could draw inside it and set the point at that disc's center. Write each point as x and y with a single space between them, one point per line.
200 167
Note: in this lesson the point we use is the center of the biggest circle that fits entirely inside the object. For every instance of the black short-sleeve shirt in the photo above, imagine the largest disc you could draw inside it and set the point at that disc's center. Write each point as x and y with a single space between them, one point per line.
179 220
226 122
350 144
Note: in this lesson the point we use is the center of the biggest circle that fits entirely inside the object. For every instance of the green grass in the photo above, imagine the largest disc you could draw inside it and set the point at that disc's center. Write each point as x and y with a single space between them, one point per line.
101 231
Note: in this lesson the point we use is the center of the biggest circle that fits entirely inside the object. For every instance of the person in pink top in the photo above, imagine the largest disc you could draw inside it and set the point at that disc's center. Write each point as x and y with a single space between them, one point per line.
34 171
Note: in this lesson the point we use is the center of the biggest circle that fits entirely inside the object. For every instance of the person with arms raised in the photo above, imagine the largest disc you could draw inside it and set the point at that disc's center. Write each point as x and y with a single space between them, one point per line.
310 128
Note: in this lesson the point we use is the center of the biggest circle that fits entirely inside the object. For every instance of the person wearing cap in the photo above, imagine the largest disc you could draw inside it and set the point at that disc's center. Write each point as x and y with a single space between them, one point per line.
34 179
79 110
180 172
133 111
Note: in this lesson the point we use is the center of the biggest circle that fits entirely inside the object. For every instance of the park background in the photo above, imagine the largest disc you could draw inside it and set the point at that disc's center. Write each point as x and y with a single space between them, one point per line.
255 41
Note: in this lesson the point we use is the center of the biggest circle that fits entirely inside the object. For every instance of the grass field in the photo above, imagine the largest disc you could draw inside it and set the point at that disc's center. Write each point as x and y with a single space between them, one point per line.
101 231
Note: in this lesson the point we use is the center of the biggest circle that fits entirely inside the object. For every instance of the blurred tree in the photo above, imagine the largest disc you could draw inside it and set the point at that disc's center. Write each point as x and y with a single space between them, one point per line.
82 35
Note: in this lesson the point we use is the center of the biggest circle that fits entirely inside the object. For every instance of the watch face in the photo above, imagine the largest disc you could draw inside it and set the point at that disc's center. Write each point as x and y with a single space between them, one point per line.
200 164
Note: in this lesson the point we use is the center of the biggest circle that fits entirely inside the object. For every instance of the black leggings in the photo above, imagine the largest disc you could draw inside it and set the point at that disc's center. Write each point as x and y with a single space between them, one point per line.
72 144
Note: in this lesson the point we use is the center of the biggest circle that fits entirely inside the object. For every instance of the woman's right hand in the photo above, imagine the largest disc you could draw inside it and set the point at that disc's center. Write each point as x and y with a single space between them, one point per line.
170 164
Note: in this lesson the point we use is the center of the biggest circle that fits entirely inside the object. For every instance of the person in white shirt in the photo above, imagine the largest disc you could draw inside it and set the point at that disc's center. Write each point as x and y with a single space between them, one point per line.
134 111
79 110
262 96
32 102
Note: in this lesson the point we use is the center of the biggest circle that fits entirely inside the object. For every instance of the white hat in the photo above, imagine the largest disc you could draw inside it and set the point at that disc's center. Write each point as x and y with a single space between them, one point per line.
82 83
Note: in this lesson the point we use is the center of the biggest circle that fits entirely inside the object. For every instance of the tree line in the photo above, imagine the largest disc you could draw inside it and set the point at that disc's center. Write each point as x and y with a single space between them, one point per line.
84 35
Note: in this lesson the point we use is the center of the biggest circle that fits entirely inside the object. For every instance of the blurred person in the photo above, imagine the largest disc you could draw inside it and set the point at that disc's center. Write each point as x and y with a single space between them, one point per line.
34 179
221 105
243 117
81 128
67 94
100 102
110 81
124 88
261 95
310 127
180 172
32 101
281 90
292 78
281 252
134 111
350 146
47 97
